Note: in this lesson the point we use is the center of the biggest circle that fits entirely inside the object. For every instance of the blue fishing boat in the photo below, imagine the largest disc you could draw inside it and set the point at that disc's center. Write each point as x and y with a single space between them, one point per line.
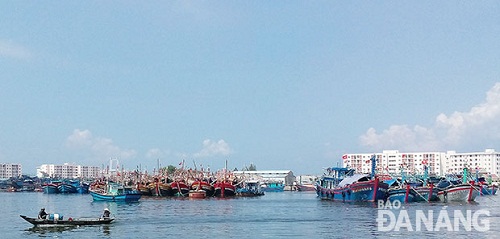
399 191
83 188
51 187
250 188
341 184
67 186
115 192
273 186
486 186
427 193
488 189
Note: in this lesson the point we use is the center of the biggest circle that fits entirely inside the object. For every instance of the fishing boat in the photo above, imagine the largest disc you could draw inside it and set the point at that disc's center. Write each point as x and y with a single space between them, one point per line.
51 187
69 222
273 186
224 189
453 191
452 188
161 189
28 186
342 184
250 188
427 193
83 187
306 187
68 186
179 188
488 189
486 186
144 189
115 192
401 192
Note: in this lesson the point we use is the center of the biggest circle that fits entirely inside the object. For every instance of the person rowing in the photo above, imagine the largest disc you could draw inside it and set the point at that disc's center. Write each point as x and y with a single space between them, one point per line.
106 213
42 214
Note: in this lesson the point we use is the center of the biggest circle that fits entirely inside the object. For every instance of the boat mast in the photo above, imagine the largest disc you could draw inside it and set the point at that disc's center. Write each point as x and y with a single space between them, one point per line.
374 165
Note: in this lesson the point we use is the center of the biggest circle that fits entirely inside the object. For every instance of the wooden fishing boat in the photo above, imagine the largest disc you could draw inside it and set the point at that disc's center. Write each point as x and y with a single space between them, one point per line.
68 222
116 192
160 189
179 188
144 189
224 189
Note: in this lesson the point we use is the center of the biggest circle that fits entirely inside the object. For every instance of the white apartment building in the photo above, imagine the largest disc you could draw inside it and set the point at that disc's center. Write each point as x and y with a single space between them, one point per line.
487 162
8 170
68 171
438 163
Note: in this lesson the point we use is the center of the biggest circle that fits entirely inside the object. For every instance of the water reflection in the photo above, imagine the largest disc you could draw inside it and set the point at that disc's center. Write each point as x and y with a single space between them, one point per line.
52 229
106 230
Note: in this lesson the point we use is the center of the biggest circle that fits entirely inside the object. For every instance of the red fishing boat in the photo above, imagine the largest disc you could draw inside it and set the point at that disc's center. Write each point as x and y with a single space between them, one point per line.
224 189
179 188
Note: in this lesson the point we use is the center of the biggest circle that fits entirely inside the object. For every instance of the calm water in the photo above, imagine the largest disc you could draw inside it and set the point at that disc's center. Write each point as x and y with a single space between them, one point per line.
275 215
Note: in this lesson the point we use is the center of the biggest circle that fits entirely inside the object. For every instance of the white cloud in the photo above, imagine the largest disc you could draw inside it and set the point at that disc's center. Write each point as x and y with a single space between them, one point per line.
101 148
157 153
479 125
13 50
212 148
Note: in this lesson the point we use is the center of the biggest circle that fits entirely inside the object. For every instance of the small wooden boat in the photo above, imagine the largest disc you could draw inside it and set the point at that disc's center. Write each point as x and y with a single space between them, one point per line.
200 193
203 185
68 222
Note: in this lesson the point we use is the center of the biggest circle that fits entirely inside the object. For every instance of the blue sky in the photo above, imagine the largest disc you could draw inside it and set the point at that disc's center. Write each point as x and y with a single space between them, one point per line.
280 84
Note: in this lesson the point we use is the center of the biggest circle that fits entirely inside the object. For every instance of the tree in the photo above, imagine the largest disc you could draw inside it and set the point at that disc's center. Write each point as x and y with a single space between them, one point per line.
170 169
252 167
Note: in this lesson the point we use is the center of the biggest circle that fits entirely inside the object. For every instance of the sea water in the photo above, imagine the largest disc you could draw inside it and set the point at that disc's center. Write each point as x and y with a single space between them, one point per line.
274 215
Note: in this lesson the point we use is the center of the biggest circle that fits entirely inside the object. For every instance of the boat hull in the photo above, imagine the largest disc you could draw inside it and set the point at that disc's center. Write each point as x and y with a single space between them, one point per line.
429 194
69 222
369 191
66 188
459 193
205 186
179 188
224 190
488 190
50 189
403 195
126 197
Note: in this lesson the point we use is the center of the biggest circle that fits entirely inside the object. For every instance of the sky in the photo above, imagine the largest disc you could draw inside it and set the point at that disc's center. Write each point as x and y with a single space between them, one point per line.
283 85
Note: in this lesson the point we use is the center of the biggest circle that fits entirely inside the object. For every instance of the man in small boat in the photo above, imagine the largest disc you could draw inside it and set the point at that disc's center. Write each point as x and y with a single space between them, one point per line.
106 213
42 214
